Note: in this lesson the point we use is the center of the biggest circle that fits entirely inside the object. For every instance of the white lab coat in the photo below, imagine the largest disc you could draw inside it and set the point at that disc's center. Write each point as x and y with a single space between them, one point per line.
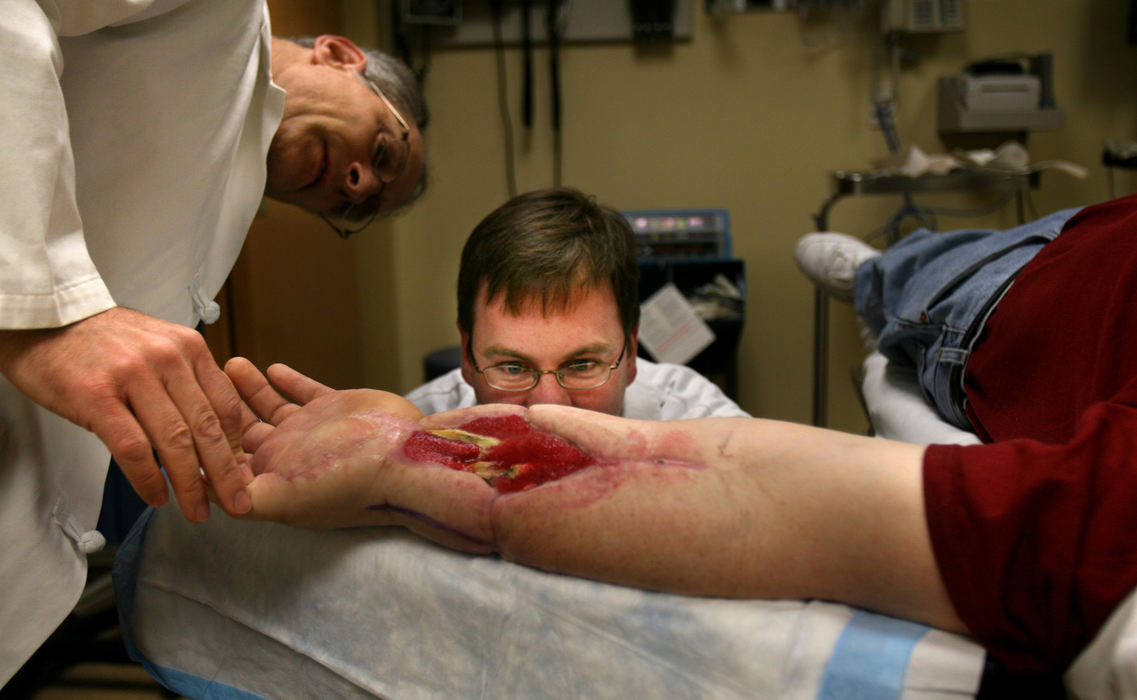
133 136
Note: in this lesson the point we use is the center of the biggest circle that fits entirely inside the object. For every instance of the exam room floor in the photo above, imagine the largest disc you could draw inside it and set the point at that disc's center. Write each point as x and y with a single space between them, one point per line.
104 682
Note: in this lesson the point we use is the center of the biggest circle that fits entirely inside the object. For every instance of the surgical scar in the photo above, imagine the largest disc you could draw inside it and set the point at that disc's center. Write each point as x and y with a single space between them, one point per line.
505 451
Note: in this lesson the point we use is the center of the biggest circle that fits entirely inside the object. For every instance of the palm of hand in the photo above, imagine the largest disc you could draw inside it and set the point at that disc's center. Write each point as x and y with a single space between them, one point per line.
321 465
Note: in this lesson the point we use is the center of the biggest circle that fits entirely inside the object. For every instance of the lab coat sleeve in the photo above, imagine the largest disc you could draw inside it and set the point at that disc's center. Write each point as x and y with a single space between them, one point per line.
666 391
47 278
692 395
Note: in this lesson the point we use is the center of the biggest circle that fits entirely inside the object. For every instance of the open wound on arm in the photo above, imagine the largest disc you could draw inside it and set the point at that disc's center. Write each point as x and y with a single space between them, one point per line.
506 451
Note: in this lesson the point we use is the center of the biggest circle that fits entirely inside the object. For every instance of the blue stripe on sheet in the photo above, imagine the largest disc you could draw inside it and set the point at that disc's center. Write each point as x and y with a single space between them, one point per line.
196 687
870 658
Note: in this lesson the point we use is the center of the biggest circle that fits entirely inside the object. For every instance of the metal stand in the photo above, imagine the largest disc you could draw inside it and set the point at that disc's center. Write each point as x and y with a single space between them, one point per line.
855 183
1121 156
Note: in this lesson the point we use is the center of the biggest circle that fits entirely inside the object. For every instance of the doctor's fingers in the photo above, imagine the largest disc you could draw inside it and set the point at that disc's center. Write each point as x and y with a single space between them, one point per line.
116 426
218 465
186 432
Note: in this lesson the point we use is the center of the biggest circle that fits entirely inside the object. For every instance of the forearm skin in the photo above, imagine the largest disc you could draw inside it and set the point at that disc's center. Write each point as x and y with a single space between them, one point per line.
723 507
729 507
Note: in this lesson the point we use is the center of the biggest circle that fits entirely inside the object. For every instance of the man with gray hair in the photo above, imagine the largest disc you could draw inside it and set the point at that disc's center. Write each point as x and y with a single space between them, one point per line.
141 137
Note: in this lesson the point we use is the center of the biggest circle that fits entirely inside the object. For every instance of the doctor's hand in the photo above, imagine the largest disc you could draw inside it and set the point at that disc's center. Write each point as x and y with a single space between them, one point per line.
335 459
142 385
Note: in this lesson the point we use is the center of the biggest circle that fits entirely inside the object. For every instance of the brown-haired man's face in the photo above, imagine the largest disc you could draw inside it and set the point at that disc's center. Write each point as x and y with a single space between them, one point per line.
588 329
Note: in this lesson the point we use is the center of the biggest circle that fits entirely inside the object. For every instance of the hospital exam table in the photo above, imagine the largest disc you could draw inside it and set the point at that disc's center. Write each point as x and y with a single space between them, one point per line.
233 609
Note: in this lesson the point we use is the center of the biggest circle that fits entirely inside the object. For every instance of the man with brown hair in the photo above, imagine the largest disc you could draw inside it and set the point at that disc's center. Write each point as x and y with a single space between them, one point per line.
548 312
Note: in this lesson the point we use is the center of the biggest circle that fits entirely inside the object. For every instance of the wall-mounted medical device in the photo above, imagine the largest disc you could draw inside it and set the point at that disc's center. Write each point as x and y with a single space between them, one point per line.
724 7
691 249
1003 94
681 233
922 16
579 20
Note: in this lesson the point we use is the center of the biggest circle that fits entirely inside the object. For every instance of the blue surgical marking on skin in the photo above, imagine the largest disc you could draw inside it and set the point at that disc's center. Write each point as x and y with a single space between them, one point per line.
430 521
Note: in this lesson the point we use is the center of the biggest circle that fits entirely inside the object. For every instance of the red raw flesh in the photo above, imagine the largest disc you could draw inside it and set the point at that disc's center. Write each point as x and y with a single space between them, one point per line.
423 446
543 457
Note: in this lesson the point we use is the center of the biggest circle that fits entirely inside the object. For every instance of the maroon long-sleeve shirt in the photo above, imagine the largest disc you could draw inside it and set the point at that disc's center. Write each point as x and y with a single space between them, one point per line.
1035 533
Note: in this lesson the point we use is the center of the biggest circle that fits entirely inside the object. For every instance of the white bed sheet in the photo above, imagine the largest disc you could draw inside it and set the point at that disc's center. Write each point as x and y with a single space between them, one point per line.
232 609
897 408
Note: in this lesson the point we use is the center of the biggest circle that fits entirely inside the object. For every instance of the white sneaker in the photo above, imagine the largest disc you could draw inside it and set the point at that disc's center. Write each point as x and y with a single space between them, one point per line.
830 260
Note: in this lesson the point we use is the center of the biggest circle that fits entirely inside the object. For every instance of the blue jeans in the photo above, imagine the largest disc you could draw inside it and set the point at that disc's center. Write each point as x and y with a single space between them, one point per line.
928 297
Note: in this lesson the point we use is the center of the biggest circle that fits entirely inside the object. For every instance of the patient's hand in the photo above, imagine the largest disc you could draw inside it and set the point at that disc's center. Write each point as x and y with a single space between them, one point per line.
337 461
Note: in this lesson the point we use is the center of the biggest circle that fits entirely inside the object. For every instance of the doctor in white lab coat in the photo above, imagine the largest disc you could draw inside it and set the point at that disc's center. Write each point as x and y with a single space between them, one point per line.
138 137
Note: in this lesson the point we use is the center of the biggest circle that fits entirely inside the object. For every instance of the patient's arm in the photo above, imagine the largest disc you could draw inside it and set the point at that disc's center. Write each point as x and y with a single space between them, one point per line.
733 507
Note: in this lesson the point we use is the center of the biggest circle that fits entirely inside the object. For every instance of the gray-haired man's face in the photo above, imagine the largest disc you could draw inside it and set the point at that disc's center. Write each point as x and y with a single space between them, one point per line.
325 154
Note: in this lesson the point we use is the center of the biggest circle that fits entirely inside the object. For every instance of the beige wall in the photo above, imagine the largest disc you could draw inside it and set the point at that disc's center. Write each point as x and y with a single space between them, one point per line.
750 114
